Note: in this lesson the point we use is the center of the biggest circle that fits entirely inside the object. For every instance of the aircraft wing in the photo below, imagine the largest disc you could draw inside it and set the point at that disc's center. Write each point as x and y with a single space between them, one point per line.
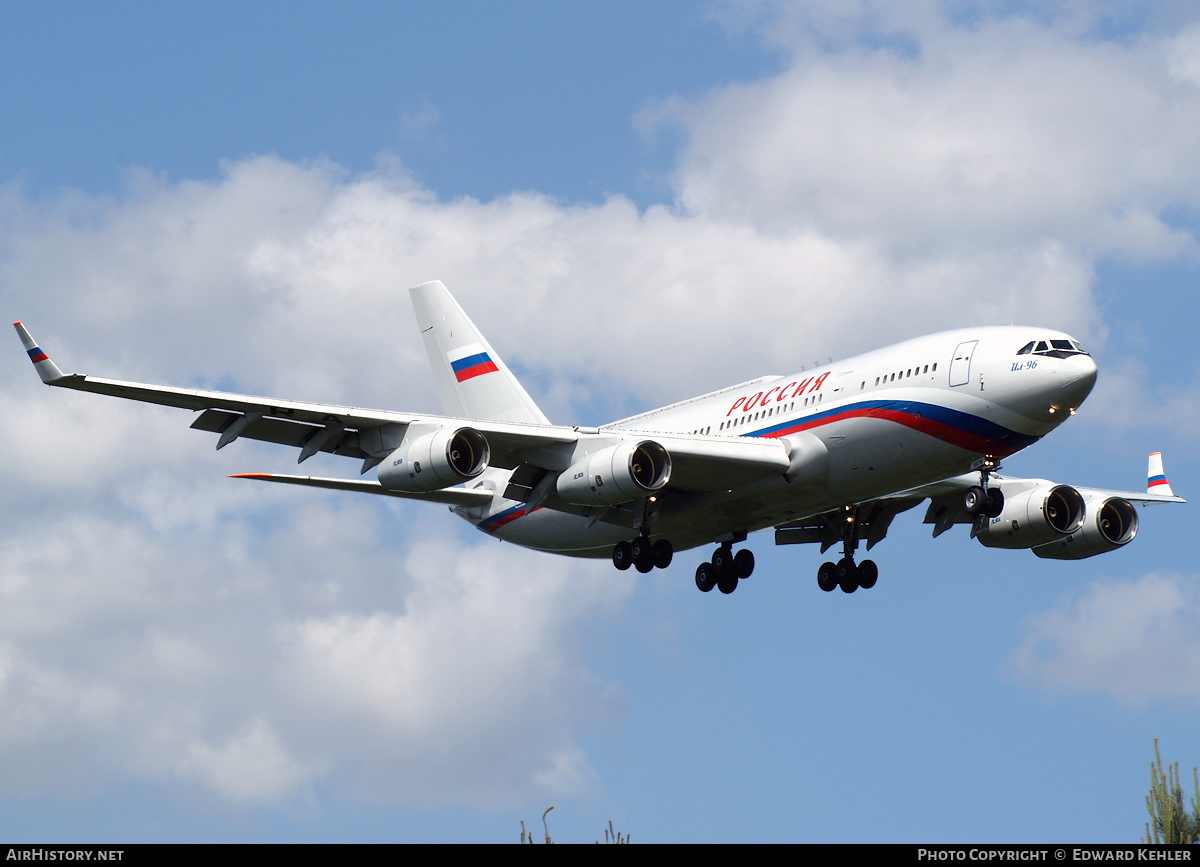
451 496
699 464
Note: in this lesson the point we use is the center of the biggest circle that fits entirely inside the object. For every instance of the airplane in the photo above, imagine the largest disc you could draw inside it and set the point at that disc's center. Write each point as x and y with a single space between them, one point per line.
926 419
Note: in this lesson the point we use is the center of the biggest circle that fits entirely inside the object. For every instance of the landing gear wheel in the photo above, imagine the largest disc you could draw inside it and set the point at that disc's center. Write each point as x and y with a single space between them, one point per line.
995 503
663 552
622 556
974 500
722 560
868 574
847 575
706 577
743 563
642 551
727 582
827 577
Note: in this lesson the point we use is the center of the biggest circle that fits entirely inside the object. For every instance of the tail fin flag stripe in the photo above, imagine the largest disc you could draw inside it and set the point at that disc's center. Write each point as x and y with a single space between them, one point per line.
472 366
1156 481
36 355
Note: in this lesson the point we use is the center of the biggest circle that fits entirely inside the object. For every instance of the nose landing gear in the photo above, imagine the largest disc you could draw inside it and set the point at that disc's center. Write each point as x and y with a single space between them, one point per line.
982 500
725 570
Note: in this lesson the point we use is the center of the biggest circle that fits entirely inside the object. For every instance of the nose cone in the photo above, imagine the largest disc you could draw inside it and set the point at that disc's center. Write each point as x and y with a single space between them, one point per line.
1077 376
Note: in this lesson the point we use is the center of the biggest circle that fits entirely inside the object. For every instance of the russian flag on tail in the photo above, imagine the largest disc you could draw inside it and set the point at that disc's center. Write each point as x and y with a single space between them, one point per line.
470 361
1156 481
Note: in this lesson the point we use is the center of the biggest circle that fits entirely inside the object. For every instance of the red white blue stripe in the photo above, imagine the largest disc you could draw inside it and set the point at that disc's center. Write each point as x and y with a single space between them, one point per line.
961 429
472 366
494 522
1155 481
36 355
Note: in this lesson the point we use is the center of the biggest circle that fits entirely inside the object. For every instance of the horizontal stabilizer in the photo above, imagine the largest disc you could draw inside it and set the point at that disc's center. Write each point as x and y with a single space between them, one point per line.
46 368
450 496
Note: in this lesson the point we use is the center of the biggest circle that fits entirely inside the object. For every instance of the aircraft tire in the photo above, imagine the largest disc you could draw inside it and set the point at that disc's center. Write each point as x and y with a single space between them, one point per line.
622 556
847 575
995 503
727 582
827 577
868 574
663 552
706 577
743 564
722 560
974 500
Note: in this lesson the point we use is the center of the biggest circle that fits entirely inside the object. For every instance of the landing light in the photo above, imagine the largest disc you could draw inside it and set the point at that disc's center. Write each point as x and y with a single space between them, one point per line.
1051 410
1072 410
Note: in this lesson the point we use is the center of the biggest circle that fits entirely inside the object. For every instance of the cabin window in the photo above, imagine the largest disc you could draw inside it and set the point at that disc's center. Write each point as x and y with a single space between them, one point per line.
893 379
935 365
1026 349
819 396
927 368
909 372
877 380
864 385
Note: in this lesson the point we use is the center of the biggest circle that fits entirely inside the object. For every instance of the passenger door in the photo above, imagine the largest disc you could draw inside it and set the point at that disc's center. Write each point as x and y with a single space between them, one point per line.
960 365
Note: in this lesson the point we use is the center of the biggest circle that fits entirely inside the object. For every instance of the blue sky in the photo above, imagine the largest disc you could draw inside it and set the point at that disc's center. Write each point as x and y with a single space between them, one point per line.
232 196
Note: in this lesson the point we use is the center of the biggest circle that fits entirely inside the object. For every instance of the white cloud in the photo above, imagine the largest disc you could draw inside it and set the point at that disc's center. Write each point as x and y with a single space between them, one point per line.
1136 640
166 623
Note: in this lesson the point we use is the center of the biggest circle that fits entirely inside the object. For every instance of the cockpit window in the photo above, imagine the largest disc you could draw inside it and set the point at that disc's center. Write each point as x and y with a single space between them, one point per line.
1053 348
1079 346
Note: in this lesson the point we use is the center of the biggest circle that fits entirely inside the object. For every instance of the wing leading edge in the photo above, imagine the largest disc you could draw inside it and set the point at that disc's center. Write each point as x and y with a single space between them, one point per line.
699 463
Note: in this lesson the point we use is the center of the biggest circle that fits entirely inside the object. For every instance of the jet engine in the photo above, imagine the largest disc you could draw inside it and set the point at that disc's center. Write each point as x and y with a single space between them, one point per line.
436 460
1034 518
1110 523
616 474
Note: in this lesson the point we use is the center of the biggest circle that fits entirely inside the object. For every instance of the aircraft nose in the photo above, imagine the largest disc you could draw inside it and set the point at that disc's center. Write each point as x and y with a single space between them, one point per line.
1078 378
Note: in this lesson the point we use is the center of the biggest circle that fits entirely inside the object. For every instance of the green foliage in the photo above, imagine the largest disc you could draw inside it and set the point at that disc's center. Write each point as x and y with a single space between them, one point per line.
1169 821
610 836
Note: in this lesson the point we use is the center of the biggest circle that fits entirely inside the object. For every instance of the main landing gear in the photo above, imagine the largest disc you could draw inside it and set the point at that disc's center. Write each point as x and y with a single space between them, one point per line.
846 573
725 570
642 554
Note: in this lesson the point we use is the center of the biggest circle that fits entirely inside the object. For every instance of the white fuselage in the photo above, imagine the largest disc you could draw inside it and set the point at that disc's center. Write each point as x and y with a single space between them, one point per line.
907 415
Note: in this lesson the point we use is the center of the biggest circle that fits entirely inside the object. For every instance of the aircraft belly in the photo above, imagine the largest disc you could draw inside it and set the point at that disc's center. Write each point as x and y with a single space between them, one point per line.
869 458
548 530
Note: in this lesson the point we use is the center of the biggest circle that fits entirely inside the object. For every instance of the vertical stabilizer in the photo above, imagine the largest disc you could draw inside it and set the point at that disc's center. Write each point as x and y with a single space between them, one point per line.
472 380
1156 479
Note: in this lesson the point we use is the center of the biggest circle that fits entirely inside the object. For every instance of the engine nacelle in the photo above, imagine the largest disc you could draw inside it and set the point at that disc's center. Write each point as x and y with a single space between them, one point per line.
1110 523
616 474
1034 518
436 460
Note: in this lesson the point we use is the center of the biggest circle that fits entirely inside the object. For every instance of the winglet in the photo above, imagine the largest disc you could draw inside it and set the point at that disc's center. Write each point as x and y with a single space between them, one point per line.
46 368
1156 479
